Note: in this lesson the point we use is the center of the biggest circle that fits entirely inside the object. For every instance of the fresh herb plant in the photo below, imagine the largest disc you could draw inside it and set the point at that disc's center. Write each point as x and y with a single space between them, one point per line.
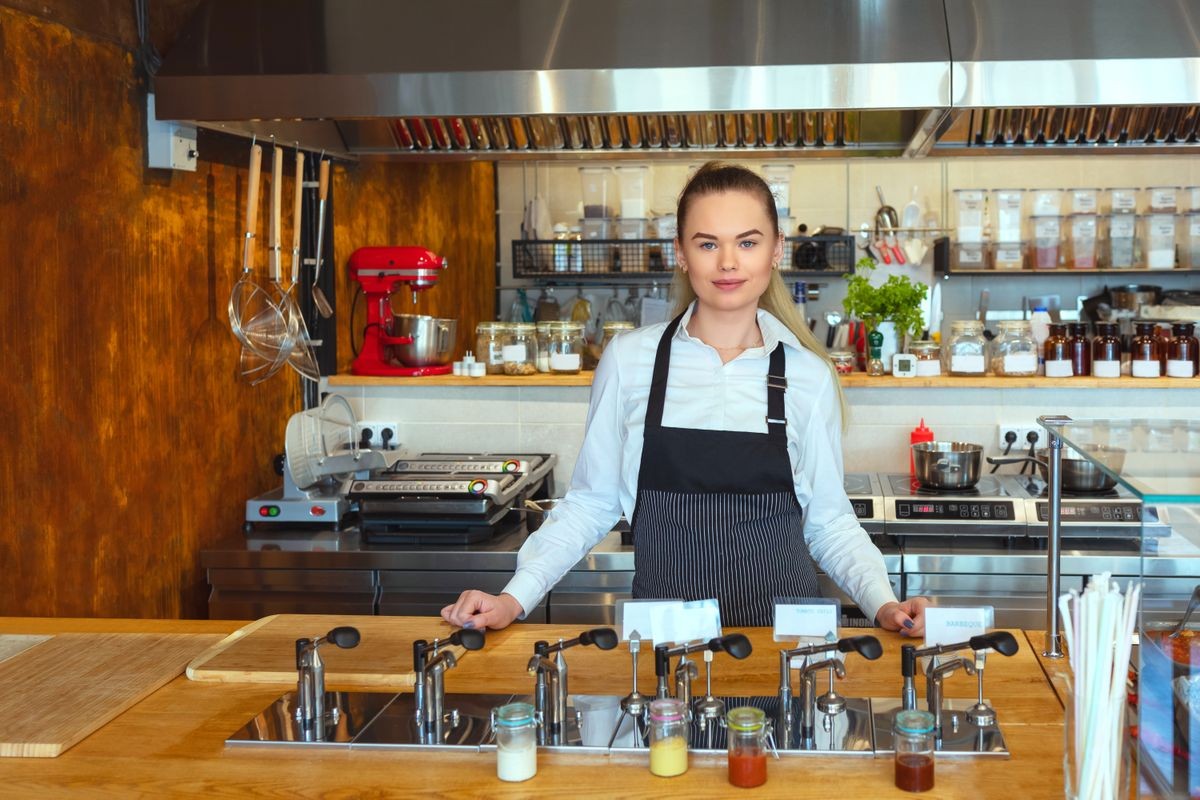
897 300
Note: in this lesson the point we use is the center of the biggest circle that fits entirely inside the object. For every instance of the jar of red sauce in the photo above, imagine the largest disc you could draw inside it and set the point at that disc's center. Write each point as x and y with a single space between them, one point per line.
747 733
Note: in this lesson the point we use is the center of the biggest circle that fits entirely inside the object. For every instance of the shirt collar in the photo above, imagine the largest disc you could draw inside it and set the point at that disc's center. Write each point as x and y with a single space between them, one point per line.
773 330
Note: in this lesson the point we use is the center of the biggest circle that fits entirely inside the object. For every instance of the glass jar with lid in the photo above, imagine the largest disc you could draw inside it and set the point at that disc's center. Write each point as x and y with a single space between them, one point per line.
1057 352
1080 348
560 345
913 737
1145 358
1183 354
1106 351
1015 352
516 741
966 350
929 358
489 345
520 349
747 733
843 361
610 330
668 738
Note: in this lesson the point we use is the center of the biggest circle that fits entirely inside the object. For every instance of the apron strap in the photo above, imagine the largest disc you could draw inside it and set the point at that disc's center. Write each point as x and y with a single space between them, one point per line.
658 382
776 388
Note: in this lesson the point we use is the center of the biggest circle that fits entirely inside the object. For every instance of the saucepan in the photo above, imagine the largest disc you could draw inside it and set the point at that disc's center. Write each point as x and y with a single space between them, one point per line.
947 465
1079 475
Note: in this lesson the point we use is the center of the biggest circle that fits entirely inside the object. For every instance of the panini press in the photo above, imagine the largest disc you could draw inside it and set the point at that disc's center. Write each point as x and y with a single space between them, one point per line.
449 498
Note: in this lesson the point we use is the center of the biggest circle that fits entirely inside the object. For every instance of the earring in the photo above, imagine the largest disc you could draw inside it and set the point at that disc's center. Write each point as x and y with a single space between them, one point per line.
775 265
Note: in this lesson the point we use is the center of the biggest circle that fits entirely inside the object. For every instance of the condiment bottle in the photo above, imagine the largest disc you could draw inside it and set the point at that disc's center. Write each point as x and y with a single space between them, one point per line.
913 738
1183 354
1081 349
1106 351
747 730
919 434
516 742
1057 352
1146 359
1039 326
668 738
875 360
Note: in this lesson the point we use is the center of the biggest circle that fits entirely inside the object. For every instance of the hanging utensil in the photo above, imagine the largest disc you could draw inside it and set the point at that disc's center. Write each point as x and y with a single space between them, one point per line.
322 302
245 288
302 359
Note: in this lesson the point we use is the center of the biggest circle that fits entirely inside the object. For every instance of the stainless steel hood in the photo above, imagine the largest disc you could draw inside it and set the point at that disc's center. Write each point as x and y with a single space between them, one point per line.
656 78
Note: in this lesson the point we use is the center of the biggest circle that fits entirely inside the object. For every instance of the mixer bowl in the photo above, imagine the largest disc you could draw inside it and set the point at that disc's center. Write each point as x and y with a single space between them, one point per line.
432 340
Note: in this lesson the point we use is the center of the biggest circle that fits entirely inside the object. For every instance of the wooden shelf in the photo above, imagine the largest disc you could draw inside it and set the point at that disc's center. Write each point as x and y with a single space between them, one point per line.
858 380
1076 272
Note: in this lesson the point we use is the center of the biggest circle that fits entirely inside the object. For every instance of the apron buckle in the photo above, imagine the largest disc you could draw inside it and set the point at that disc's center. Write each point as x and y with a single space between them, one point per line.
776 382
776 421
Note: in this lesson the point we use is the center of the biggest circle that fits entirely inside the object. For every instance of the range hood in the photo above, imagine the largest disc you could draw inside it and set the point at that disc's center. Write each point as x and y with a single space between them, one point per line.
503 79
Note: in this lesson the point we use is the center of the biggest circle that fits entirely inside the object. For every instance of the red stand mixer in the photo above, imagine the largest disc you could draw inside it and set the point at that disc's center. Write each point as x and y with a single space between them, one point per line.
381 271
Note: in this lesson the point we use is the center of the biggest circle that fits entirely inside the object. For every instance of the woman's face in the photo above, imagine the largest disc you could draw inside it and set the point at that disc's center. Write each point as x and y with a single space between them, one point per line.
728 249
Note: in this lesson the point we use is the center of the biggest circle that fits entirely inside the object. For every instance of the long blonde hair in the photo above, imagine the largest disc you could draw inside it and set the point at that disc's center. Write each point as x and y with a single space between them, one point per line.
713 178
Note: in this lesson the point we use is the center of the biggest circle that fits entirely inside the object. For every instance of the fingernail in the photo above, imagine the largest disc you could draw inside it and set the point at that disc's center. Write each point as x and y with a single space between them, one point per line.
908 623
470 624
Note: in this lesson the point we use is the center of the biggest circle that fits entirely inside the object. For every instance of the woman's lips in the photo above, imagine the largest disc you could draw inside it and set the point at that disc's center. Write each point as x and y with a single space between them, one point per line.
728 285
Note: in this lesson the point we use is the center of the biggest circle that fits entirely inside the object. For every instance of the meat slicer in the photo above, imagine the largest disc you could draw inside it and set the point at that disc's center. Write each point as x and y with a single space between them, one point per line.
380 271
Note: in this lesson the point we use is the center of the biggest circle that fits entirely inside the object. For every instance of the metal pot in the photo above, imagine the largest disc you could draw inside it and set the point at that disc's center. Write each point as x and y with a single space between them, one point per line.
1079 475
947 465
432 340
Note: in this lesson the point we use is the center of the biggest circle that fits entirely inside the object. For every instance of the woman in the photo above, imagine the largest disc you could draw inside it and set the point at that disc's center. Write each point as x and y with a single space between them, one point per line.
719 436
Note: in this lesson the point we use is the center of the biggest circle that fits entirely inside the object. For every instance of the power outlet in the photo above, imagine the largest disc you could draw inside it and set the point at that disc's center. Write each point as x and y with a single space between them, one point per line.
378 428
1022 432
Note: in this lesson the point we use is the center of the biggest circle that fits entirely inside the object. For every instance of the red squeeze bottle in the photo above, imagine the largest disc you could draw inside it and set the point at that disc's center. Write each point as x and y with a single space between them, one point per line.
919 434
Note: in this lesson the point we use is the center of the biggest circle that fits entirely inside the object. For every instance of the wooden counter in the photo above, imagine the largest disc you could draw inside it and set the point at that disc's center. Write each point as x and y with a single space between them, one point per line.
172 743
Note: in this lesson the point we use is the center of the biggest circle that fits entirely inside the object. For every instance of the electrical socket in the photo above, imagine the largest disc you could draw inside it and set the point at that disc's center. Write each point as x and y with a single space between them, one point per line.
1022 432
377 428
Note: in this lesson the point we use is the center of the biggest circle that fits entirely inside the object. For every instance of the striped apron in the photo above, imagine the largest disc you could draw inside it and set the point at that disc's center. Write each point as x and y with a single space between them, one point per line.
716 513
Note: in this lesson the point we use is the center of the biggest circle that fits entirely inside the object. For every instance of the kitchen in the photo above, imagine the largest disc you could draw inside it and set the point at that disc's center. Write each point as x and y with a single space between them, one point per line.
137 539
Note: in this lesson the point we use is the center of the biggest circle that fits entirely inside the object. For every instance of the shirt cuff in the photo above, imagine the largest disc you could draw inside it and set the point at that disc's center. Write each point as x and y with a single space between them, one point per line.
874 599
527 590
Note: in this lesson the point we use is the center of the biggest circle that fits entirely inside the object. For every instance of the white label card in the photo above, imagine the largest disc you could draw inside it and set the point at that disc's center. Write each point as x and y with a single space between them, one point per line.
686 622
950 624
1106 369
816 617
1121 226
1059 369
514 352
972 365
638 615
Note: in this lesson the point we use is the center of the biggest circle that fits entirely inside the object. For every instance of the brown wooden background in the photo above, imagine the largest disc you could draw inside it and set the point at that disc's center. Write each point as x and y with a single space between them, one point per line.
130 443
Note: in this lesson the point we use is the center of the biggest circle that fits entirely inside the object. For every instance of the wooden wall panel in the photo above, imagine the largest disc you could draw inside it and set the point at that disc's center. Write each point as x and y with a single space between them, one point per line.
130 443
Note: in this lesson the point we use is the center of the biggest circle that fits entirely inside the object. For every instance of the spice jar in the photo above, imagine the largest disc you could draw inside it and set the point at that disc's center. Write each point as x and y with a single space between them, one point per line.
875 354
929 358
843 361
966 350
1057 352
1014 353
747 732
913 738
561 344
489 345
1146 359
668 738
1106 351
610 330
520 349
1080 348
516 742
1183 352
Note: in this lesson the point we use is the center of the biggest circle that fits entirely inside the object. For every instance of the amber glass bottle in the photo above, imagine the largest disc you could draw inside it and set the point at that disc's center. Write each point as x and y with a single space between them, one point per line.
1183 354
1146 359
1106 351
1057 352
1080 348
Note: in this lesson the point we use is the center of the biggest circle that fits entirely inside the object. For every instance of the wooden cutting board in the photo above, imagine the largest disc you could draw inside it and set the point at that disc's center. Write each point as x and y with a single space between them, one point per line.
265 651
54 694
13 643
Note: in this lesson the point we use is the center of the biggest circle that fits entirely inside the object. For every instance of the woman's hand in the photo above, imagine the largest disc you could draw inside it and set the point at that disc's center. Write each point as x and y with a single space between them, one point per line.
907 617
480 610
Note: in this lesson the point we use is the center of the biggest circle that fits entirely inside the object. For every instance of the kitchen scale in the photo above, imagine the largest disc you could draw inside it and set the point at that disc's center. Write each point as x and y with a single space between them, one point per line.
995 506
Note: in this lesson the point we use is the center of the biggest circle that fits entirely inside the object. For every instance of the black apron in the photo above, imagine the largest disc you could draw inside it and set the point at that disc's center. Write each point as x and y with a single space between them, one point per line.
716 513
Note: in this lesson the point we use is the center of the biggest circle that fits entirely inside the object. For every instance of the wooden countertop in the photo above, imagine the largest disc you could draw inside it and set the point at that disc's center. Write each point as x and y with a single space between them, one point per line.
172 743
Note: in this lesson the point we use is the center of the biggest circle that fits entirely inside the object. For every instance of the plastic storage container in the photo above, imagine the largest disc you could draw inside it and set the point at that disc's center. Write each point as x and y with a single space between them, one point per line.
1162 199
1122 201
516 742
1009 255
668 738
489 345
520 349
634 183
596 183
1082 230
1008 204
1145 356
1014 352
1047 241
1083 200
779 178
1192 195
595 228
966 350
746 728
969 204
628 228
560 345
666 226
1158 233
1190 251
1121 244
968 255
1106 351
1046 202
914 761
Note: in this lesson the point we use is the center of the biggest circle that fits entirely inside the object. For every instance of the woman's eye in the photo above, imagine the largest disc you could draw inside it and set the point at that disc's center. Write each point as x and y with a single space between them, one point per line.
708 245
747 243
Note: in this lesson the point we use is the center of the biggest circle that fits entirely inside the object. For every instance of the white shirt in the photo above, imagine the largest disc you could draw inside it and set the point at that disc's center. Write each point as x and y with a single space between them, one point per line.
704 393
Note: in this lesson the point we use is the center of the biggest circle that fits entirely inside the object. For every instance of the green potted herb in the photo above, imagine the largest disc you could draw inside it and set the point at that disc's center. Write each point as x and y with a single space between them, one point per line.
893 308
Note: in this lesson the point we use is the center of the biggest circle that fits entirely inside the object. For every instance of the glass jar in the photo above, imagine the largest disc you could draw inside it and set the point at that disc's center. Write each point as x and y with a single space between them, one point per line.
843 361
1057 352
560 346
668 738
747 732
489 345
1146 360
1182 361
1106 351
516 742
1080 348
1014 352
913 737
520 349
966 350
929 358
610 330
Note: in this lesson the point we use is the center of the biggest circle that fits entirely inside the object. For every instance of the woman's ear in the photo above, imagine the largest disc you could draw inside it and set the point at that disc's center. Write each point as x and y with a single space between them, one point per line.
777 256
